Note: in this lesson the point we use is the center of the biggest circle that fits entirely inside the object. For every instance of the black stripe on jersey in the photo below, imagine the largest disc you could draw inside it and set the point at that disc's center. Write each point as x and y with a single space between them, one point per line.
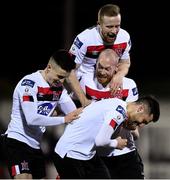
49 97
46 97
49 94
92 55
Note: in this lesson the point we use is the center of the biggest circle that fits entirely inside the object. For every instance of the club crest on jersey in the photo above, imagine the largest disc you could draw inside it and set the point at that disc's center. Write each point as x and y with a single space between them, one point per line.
121 110
119 94
118 117
78 43
45 109
135 91
28 82
26 90
119 51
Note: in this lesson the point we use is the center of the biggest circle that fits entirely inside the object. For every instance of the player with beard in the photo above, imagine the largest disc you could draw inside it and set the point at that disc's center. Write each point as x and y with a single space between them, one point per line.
97 87
75 154
89 43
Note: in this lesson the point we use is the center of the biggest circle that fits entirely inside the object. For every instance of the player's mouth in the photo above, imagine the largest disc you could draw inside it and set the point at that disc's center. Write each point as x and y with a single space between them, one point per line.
102 79
111 37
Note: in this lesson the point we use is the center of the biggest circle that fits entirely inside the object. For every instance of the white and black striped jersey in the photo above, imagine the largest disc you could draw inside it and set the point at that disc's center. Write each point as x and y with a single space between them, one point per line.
88 44
95 91
33 103
100 117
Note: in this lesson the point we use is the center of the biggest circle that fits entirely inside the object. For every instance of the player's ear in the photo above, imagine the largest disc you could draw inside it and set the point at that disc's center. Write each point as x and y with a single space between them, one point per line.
140 108
49 67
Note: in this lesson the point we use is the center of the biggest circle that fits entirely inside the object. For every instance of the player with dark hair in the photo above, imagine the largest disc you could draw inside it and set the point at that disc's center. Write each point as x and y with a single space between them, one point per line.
75 153
34 100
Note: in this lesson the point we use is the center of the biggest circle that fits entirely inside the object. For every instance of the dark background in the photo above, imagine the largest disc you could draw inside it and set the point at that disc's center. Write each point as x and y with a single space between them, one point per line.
32 30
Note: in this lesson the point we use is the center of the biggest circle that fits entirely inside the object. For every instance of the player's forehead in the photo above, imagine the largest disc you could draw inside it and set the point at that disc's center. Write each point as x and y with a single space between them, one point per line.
57 70
104 65
107 61
111 19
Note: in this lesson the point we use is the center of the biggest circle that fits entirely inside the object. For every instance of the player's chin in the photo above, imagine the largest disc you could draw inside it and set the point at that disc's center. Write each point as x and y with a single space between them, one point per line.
102 80
110 40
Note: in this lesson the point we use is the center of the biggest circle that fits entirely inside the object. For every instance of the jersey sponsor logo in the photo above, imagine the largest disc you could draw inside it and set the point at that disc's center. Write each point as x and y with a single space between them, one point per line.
28 82
135 91
45 109
121 110
78 43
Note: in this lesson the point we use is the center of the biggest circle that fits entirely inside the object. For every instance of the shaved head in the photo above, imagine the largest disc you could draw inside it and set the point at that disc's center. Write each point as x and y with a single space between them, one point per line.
108 56
106 66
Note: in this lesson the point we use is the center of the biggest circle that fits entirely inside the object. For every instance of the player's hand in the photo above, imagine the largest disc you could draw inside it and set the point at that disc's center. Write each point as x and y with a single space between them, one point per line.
121 143
116 84
73 115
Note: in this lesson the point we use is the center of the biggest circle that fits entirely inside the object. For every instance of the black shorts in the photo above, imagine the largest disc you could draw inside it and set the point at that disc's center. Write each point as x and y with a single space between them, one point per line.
22 158
2 153
69 168
127 166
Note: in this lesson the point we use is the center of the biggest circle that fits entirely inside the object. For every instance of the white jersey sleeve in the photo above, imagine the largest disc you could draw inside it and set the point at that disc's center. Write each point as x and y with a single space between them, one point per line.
34 101
79 48
132 89
112 120
65 103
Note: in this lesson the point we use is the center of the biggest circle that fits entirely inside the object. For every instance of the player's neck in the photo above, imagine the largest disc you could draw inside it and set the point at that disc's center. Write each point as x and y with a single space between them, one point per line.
42 72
